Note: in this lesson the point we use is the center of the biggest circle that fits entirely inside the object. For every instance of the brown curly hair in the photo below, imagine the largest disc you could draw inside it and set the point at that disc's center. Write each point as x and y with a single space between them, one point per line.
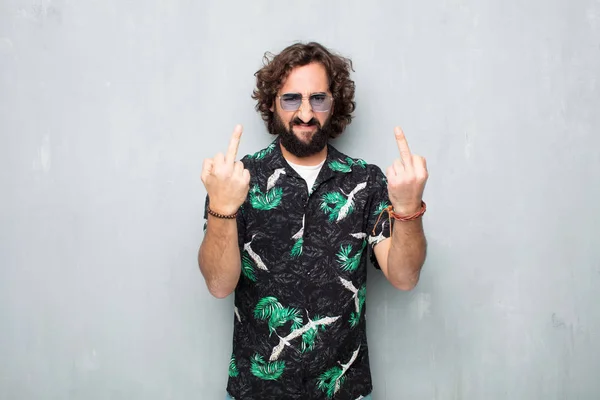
276 68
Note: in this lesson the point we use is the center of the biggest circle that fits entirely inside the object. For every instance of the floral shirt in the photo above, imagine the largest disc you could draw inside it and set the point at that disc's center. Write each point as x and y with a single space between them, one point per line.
299 316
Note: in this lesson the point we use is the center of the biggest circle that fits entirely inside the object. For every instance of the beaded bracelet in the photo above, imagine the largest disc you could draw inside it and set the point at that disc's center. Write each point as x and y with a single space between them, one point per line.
222 216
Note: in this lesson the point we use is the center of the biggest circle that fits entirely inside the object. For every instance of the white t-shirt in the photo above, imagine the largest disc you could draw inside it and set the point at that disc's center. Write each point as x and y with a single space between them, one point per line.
308 172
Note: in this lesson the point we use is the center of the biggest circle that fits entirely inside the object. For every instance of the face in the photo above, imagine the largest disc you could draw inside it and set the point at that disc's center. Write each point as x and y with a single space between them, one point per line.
304 131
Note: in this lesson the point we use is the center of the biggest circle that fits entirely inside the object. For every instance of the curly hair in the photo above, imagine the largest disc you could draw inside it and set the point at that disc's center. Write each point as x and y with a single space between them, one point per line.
276 68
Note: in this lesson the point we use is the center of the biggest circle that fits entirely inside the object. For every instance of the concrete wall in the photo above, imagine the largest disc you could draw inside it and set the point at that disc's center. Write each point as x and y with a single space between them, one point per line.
107 109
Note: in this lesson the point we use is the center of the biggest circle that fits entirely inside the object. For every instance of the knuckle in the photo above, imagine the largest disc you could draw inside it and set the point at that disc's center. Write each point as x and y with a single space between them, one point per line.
408 180
220 172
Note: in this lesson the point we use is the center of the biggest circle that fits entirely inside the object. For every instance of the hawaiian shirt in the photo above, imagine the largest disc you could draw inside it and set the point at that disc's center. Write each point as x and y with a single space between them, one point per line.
299 315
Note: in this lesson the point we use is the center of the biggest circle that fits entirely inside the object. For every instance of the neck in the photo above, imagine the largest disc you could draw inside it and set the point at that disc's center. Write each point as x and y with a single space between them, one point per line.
315 159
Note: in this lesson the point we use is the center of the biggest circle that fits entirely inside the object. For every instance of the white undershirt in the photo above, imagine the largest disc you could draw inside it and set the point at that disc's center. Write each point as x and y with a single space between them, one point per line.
308 172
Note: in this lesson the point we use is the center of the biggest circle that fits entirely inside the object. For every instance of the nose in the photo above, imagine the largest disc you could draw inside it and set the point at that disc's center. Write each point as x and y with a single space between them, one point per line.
305 112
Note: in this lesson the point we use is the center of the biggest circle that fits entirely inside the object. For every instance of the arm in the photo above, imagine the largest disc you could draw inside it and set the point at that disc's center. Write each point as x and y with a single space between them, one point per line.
219 256
402 256
227 184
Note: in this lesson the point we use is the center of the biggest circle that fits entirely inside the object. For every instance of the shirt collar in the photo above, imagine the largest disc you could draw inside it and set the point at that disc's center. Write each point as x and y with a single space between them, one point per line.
276 160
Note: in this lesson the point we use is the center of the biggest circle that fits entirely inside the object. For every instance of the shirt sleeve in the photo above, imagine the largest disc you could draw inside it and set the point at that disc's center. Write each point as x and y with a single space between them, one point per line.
378 219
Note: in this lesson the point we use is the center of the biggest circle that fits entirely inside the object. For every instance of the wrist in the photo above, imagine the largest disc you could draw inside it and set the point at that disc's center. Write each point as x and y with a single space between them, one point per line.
222 207
409 214
222 213
406 210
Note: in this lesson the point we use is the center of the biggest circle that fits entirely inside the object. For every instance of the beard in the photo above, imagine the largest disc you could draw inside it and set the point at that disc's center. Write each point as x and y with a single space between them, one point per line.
297 146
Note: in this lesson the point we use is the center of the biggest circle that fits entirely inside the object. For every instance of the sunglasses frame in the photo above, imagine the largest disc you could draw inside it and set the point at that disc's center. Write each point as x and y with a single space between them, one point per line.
280 97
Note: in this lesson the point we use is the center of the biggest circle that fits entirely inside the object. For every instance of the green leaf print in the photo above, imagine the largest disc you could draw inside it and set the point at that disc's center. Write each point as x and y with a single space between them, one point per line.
268 371
233 371
380 207
331 380
248 267
332 203
339 166
309 337
360 162
269 308
354 319
339 206
266 307
362 296
297 248
347 262
280 318
355 316
266 201
259 155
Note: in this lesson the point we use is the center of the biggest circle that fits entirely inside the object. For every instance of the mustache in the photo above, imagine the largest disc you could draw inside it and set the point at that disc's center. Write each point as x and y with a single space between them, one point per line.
298 121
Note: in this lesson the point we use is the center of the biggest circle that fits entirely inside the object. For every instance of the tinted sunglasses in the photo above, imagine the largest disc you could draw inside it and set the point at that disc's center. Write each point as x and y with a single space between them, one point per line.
319 102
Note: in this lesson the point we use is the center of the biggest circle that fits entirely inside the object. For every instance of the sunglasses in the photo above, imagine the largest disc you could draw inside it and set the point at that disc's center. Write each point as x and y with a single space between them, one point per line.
319 102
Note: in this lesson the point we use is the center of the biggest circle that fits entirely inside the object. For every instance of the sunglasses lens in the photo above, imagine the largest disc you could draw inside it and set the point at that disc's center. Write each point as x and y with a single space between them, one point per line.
291 101
320 102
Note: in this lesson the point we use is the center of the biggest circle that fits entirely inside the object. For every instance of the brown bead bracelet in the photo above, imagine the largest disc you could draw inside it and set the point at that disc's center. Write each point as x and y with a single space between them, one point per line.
222 216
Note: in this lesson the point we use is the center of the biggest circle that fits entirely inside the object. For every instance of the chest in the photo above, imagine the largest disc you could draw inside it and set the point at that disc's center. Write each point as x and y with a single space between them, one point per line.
323 231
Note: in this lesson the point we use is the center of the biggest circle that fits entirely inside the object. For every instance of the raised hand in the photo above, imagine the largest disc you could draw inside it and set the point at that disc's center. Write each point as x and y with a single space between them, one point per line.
406 178
226 180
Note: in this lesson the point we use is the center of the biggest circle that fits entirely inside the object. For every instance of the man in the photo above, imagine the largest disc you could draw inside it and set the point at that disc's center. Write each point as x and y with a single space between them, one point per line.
291 227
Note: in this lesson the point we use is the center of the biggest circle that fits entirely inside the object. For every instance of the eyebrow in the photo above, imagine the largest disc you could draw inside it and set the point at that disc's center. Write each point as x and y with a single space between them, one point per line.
301 93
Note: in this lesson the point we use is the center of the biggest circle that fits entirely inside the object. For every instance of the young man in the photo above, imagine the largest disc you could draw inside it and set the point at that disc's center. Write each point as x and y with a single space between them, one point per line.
291 227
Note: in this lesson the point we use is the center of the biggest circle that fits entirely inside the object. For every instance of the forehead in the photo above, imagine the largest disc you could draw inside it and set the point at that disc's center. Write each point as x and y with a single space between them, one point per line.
308 78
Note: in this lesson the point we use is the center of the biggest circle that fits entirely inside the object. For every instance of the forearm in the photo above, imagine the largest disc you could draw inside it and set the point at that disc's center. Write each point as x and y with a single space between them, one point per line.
407 253
219 256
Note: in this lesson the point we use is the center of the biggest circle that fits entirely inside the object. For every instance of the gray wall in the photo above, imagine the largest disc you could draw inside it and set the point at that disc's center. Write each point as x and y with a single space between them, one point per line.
107 109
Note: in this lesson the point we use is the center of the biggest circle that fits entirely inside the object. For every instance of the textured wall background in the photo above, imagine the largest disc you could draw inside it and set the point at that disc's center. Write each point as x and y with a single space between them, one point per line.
107 109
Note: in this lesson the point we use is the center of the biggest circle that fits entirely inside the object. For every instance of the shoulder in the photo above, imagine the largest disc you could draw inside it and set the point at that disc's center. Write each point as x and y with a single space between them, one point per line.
252 160
262 153
341 162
